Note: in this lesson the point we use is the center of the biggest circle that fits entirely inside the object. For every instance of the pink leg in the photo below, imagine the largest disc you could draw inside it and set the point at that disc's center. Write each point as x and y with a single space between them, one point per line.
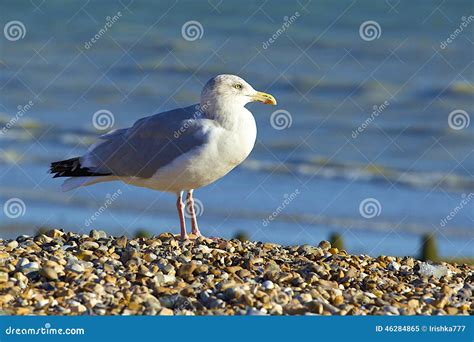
194 224
180 207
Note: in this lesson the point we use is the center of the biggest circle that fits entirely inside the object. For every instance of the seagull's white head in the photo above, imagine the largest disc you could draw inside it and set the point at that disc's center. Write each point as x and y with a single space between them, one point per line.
224 90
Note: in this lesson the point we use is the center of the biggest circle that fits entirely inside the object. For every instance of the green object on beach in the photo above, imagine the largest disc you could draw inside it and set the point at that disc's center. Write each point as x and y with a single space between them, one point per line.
143 233
429 249
42 230
336 241
241 236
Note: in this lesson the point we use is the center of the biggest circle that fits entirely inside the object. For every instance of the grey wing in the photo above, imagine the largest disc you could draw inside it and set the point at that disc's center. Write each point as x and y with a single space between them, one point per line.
150 144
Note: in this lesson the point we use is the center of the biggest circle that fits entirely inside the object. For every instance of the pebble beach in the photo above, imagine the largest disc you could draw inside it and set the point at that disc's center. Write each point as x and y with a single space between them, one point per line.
64 273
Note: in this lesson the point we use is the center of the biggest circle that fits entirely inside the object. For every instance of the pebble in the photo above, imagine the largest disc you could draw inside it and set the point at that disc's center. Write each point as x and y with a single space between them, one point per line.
49 273
186 270
3 277
54 233
276 309
41 303
268 285
145 271
168 269
75 267
105 275
121 241
325 245
97 234
391 310
29 267
338 300
452 310
315 306
255 312
413 303
166 312
90 245
76 307
12 244
431 270
394 266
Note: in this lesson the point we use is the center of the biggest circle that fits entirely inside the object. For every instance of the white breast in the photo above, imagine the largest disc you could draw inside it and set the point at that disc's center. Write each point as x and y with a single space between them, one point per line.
203 165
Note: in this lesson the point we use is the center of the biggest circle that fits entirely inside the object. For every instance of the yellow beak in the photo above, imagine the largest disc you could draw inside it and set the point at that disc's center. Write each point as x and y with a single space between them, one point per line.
264 98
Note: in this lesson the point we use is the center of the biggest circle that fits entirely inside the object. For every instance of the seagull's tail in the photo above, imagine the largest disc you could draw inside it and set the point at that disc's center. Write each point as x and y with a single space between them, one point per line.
80 175
72 183
76 182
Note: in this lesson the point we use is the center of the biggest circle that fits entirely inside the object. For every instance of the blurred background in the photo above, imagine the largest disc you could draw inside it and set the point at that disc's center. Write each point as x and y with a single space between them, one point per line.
371 139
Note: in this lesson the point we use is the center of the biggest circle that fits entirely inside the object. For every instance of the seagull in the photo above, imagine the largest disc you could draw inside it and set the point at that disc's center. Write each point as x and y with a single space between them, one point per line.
176 151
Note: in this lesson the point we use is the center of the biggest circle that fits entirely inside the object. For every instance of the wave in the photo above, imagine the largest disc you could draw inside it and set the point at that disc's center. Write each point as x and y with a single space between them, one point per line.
324 168
317 166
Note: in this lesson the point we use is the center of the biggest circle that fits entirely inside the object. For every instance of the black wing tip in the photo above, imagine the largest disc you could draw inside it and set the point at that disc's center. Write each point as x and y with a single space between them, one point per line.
72 168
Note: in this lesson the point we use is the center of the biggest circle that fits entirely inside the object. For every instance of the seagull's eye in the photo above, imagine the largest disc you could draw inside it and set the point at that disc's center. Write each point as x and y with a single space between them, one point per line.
238 86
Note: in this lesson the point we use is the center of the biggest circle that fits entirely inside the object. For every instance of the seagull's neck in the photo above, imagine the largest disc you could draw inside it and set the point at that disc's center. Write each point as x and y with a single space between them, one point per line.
226 113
